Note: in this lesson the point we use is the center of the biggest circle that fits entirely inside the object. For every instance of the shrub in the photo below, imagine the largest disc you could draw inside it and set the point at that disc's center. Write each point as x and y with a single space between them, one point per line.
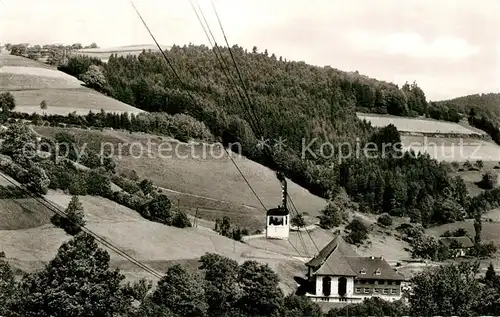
333 215
358 232
98 184
127 185
159 209
91 159
298 221
181 220
74 219
147 186
37 180
78 185
385 220
489 180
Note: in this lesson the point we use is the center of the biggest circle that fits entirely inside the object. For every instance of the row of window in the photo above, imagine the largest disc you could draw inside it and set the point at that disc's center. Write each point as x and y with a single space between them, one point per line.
385 291
376 282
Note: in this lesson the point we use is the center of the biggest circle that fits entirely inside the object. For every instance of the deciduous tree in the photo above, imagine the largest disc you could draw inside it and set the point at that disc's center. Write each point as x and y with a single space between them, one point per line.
181 292
77 282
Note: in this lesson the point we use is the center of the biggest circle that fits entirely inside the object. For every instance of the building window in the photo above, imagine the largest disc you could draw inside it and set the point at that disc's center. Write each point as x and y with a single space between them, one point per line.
376 282
386 291
358 290
377 272
366 291
393 291
363 271
375 291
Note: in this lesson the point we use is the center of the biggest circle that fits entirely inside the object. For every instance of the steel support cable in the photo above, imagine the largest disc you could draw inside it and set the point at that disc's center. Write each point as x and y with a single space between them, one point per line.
248 98
56 209
220 59
194 100
231 80
252 108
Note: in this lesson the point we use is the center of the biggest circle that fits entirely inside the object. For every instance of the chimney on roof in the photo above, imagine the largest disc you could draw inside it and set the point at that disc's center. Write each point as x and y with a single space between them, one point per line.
372 257
382 257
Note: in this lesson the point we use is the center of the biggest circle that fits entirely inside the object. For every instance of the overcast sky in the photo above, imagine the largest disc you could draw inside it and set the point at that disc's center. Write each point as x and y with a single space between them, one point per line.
450 47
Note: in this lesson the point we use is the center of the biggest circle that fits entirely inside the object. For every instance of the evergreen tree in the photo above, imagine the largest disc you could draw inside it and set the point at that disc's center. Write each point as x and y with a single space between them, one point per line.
7 287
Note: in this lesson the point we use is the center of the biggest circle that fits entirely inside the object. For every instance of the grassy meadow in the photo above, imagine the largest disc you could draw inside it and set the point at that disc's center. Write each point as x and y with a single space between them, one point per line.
31 82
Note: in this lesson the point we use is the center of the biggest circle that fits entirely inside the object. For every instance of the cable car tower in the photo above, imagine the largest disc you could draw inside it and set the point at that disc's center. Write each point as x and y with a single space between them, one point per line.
278 219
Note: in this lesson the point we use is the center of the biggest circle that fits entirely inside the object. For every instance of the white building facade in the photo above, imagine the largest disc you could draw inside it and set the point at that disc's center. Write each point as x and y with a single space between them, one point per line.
337 274
278 224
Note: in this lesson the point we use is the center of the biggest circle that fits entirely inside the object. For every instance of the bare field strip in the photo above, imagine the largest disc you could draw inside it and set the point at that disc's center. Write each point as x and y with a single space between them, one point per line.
202 181
65 101
453 149
146 241
105 53
11 60
418 125
15 82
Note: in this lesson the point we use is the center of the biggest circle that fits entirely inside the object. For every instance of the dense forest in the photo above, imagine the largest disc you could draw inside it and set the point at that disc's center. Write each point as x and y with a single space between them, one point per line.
284 99
483 111
80 282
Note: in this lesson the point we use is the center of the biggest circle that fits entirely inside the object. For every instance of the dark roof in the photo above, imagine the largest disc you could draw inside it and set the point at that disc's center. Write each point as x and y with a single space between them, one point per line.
371 265
465 242
338 258
337 244
280 211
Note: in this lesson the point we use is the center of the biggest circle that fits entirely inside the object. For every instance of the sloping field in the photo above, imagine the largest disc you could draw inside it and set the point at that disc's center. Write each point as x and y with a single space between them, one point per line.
14 82
24 77
304 245
152 243
199 175
64 101
10 60
105 53
419 125
489 233
453 149
31 82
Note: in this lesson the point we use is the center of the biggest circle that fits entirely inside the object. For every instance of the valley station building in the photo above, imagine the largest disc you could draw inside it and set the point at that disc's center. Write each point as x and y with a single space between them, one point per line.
338 274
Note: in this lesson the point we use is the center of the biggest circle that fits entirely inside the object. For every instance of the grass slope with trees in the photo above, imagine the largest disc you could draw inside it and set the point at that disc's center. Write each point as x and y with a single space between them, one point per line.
294 101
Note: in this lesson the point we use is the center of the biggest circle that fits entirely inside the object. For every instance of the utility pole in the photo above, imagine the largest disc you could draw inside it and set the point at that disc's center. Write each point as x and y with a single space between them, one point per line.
196 218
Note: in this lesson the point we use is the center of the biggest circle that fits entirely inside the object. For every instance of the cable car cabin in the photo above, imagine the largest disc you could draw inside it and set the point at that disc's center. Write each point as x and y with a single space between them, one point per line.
278 223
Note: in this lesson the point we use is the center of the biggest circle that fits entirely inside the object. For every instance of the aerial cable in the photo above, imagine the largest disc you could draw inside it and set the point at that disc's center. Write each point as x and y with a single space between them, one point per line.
237 69
251 106
54 208
194 101
222 63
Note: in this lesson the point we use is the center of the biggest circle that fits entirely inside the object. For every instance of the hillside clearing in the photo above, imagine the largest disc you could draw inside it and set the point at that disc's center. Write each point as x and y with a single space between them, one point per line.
11 60
105 53
26 78
419 125
148 242
65 101
453 149
31 82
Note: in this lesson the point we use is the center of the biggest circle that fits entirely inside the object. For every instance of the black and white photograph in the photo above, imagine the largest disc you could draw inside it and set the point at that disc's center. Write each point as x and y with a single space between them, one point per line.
249 158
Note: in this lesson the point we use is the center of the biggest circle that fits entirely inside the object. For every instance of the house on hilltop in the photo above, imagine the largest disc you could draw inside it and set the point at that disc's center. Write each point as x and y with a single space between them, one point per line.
457 245
338 274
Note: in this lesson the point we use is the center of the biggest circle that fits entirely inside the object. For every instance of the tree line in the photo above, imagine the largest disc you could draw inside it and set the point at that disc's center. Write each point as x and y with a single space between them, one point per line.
80 281
294 101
